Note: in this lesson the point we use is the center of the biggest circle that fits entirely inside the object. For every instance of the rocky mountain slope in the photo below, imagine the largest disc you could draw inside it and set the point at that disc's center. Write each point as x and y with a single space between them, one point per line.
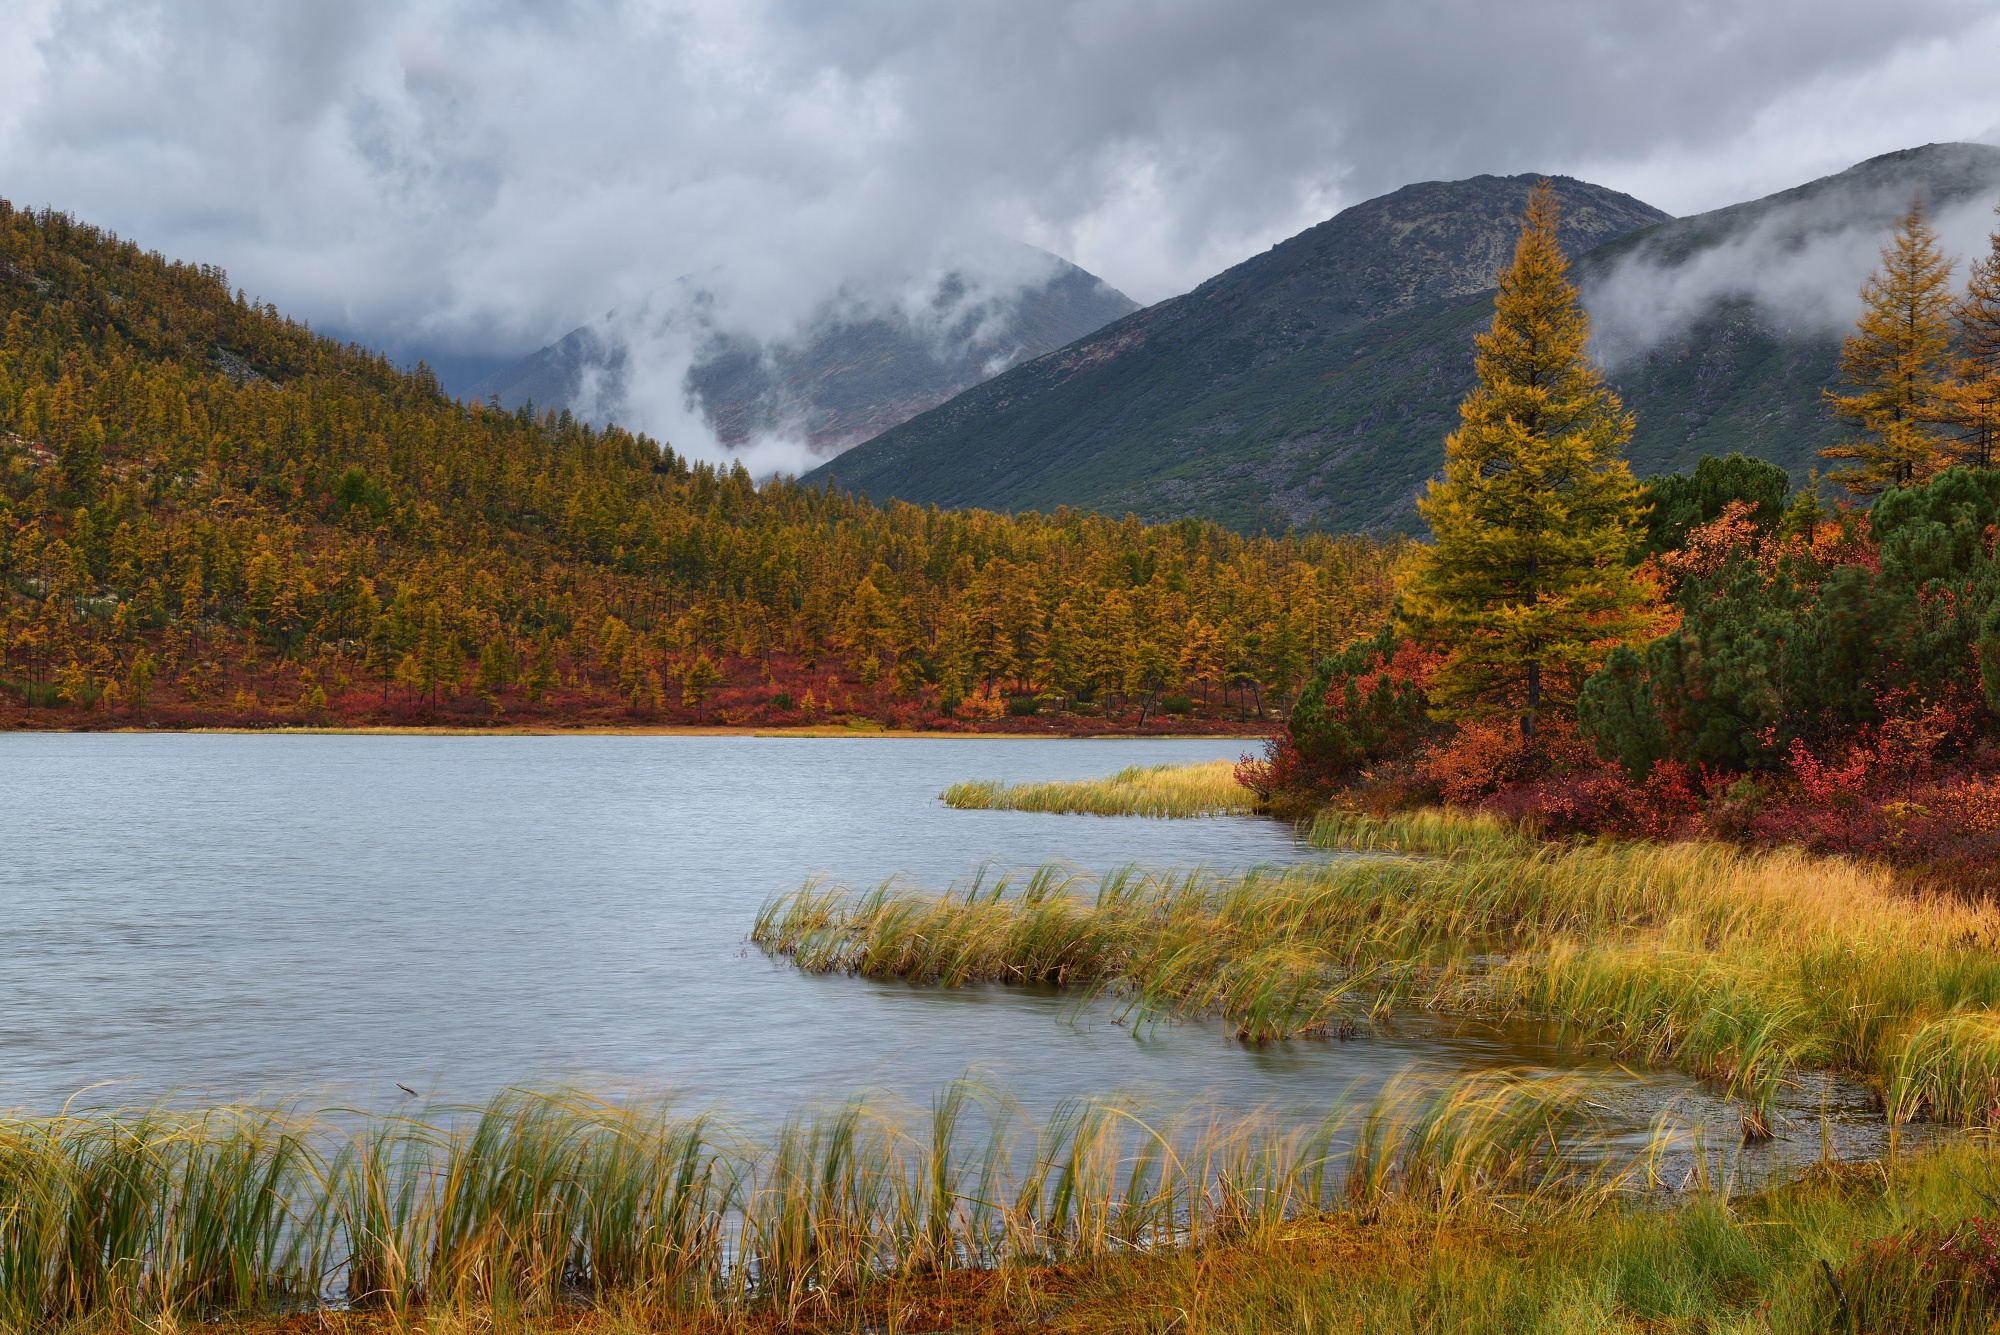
854 372
1314 385
1142 399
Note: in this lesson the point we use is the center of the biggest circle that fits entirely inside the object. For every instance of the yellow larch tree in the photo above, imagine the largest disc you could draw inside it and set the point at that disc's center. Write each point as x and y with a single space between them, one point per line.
1526 585
1897 360
1972 396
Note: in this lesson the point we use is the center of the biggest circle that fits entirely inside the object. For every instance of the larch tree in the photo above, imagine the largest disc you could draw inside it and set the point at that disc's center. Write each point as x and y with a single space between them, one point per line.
1897 359
1526 585
1201 655
868 621
1973 395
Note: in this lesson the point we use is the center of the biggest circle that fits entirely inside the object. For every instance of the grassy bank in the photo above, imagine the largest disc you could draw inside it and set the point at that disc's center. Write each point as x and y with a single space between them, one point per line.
1906 1246
1733 965
1160 790
537 1200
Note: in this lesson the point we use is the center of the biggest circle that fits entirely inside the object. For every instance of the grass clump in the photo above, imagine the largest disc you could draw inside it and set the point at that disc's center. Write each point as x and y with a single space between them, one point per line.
538 1200
1905 1246
1208 789
1894 1248
1736 966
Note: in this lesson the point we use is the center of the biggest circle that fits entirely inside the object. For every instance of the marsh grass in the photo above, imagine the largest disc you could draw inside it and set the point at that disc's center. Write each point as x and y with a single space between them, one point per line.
1208 789
1903 1244
1891 1247
1735 966
540 1200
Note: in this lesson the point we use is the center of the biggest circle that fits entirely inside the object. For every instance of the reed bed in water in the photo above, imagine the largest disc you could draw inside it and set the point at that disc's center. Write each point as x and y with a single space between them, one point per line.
1887 1248
541 1198
1160 790
1733 965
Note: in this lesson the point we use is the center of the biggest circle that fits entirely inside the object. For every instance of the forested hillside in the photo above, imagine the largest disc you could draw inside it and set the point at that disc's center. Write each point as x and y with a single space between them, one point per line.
212 515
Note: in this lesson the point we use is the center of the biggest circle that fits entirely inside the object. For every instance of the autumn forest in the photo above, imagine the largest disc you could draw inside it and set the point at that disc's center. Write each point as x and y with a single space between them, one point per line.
211 516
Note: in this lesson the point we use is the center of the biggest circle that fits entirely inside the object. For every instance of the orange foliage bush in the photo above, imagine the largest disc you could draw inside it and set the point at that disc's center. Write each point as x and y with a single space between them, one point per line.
1709 546
1482 758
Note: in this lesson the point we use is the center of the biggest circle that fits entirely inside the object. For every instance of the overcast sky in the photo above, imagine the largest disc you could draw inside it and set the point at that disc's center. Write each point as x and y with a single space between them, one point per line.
474 179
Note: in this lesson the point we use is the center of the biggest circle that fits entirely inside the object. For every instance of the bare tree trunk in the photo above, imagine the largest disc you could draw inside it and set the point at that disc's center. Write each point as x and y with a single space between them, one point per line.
1534 701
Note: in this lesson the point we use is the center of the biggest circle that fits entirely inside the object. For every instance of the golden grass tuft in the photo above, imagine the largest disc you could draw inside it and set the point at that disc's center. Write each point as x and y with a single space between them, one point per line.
1208 789
1737 966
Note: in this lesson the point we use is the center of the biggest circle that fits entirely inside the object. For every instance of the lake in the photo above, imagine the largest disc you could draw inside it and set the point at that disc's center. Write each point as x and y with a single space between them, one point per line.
240 916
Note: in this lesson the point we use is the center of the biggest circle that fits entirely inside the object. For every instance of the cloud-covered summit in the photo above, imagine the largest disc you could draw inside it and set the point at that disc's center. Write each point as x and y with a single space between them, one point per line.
1799 256
859 365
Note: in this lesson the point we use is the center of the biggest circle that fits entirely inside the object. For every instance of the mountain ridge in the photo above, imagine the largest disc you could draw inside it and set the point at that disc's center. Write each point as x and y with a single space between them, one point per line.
1339 430
1302 292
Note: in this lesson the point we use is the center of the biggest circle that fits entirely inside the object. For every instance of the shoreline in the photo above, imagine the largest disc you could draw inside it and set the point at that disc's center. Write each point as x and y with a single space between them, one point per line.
663 730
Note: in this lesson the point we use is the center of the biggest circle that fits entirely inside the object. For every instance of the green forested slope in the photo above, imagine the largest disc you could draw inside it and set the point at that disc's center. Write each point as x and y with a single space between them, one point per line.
1162 396
1342 433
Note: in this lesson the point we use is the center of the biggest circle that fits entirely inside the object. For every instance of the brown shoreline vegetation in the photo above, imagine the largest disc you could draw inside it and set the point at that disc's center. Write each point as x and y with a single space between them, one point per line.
621 723
1907 1249
1905 1246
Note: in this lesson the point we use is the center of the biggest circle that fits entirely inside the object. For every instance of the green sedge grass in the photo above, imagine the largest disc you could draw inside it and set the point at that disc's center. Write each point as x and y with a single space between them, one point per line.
1889 1247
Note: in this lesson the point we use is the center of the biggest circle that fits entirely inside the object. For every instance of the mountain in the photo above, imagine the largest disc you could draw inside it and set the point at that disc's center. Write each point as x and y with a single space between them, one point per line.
1141 413
1721 329
1313 385
855 371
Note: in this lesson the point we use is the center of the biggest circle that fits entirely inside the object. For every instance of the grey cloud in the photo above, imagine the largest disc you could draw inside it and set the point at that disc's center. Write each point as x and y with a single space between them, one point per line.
475 179
1802 260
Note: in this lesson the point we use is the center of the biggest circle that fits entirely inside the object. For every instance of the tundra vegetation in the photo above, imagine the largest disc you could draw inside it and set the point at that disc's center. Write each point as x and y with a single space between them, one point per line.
1704 656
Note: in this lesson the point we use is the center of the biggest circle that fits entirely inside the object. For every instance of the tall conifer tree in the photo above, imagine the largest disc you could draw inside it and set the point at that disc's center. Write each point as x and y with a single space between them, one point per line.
1526 585
1974 394
1897 359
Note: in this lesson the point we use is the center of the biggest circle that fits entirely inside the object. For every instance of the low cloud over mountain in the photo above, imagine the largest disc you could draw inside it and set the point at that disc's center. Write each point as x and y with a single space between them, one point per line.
468 182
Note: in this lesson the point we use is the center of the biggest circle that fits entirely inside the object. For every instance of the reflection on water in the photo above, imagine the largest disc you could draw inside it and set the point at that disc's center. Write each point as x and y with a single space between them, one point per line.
1691 1136
229 916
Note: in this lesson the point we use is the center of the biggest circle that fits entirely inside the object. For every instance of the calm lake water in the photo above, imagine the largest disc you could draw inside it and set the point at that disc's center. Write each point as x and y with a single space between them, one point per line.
243 916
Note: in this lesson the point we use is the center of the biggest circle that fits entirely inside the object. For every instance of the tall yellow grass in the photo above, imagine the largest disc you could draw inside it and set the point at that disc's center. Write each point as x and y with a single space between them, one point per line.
538 1198
1160 790
1733 965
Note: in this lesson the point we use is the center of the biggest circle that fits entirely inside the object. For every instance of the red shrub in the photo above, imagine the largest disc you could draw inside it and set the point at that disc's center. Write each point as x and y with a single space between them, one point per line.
1841 785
